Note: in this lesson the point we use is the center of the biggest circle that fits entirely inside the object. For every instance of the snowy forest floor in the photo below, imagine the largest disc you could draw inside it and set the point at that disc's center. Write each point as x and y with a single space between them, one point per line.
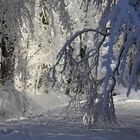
54 126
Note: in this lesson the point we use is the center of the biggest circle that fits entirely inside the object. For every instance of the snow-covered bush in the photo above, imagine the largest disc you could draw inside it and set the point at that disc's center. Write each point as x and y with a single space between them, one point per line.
13 104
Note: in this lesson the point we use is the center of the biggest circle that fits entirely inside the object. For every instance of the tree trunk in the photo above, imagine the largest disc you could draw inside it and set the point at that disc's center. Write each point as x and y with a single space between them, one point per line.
7 62
96 117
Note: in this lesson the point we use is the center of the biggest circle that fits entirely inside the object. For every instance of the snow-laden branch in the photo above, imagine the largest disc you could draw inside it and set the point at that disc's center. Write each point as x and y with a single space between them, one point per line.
96 71
82 75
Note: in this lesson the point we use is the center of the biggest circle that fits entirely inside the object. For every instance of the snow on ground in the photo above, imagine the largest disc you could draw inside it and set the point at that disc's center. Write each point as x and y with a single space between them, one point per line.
53 125
47 101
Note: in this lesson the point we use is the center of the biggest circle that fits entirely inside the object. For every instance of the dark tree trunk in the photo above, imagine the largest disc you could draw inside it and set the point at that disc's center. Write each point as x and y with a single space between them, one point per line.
7 62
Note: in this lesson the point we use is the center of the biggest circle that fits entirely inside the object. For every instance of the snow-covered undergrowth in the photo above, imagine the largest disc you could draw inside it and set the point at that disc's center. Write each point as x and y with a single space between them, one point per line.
12 103
16 105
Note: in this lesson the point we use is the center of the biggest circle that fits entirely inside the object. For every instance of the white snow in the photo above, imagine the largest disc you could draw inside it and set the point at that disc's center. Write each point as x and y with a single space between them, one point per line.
52 124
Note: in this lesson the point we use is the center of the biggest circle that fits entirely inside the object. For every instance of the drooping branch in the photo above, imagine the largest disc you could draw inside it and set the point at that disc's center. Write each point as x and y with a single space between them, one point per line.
82 76
66 54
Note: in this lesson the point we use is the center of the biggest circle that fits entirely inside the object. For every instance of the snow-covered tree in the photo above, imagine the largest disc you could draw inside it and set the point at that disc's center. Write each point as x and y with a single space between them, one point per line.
78 66
91 62
13 14
35 30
